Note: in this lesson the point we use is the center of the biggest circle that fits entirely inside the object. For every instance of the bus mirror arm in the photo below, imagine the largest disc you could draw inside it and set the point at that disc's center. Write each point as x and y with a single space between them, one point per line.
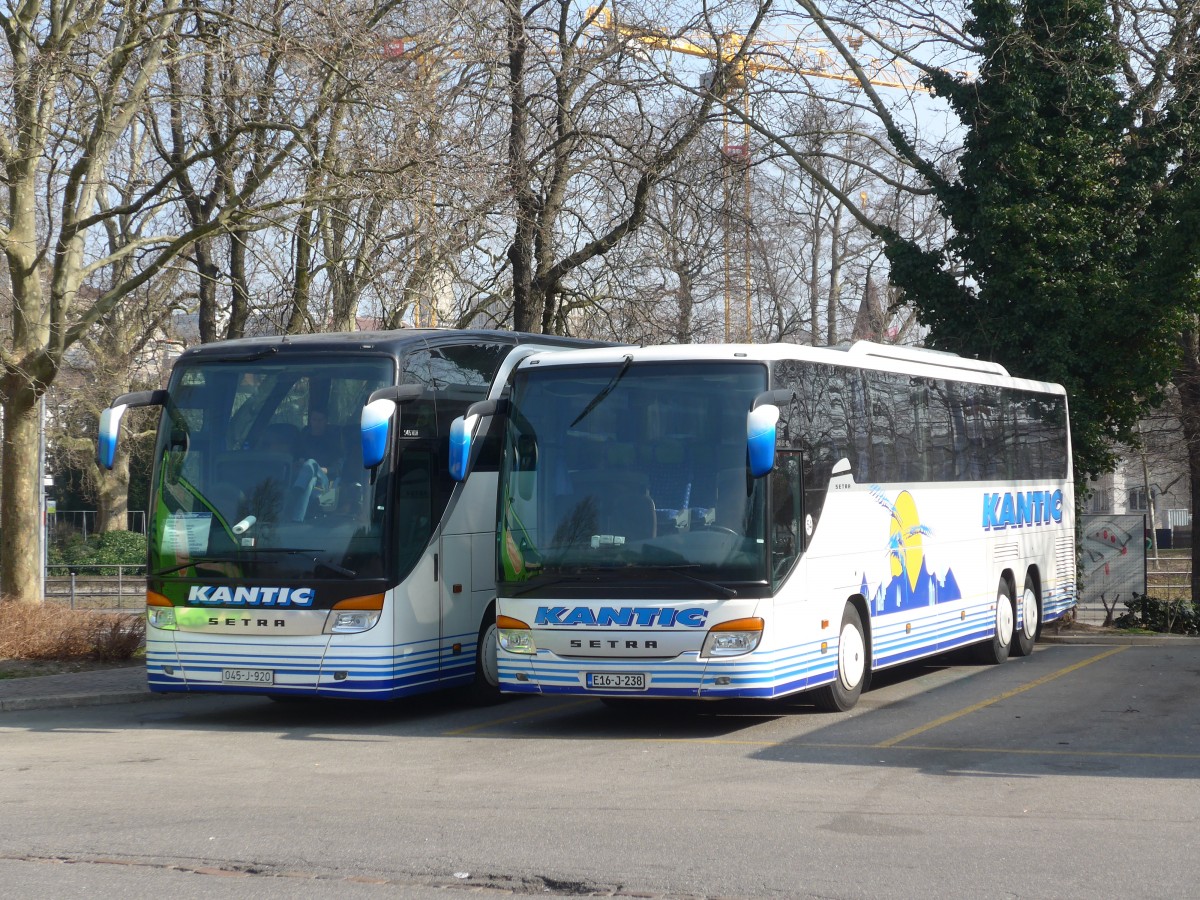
110 421
397 393
779 397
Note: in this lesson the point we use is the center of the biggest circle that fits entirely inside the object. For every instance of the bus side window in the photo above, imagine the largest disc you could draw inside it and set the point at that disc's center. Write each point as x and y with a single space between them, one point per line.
787 514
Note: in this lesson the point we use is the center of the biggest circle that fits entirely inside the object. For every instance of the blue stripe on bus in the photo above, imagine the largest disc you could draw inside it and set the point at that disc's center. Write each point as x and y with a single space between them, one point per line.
382 671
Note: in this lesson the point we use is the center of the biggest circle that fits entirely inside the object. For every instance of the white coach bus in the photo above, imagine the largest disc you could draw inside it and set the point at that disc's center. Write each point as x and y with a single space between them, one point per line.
305 536
754 521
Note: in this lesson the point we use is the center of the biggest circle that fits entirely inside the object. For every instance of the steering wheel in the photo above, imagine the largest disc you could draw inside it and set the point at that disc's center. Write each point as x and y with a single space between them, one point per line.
723 529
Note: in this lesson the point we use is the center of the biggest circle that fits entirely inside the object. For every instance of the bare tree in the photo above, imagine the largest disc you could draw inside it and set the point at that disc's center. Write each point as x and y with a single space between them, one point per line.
580 110
78 78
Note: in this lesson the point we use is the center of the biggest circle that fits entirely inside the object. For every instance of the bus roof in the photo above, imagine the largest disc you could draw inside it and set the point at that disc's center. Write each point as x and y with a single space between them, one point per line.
860 354
395 342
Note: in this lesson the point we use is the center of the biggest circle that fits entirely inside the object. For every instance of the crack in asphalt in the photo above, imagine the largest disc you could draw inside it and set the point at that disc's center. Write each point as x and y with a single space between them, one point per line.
500 884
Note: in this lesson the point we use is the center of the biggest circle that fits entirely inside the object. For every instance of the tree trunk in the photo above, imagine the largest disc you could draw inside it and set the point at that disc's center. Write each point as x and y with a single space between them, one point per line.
239 308
208 273
1187 380
20 514
112 495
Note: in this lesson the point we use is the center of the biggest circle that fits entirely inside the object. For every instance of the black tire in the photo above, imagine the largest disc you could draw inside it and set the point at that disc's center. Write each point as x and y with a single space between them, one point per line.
1025 634
853 666
996 650
485 689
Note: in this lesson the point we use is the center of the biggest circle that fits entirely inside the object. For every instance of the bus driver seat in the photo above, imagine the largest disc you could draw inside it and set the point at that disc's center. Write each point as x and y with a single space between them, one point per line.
624 506
731 499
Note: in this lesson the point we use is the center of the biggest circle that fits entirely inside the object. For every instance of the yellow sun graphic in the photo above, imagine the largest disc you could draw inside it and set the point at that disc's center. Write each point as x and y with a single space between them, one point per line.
905 541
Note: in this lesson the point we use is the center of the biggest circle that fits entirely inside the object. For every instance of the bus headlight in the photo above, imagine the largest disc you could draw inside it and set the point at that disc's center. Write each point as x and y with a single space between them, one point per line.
160 613
515 636
161 617
354 615
733 638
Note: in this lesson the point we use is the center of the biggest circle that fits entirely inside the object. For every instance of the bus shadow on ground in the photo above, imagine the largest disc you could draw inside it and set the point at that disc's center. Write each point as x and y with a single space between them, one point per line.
986 726
452 714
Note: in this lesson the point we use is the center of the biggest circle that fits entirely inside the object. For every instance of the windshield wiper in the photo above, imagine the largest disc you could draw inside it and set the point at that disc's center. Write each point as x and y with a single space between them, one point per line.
625 573
249 552
218 560
604 392
533 584
695 579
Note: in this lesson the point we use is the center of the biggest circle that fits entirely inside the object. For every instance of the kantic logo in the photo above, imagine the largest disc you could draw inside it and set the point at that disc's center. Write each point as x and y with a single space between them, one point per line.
1021 509
622 617
207 595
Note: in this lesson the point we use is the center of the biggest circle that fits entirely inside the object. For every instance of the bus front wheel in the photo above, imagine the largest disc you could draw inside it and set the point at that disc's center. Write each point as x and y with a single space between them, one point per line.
485 690
843 693
997 649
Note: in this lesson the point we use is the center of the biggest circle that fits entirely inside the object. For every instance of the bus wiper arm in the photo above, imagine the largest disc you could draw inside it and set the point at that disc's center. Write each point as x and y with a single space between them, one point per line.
253 551
312 552
335 568
534 585
604 392
196 562
679 571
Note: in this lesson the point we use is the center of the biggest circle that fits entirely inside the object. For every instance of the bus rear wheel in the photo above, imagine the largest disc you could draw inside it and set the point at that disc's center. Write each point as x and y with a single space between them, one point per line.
1031 617
996 650
843 693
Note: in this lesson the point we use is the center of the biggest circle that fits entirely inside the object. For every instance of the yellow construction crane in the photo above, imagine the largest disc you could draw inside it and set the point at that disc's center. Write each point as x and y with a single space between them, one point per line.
796 56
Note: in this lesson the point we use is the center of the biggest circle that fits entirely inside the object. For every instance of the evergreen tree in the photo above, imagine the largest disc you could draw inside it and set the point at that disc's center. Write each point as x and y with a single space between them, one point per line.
1047 212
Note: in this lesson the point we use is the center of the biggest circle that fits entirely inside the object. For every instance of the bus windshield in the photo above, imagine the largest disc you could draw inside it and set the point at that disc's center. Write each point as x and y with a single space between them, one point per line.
637 470
259 470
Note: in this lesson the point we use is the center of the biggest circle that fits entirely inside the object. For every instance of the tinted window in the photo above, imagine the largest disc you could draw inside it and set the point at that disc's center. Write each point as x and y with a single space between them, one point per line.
900 428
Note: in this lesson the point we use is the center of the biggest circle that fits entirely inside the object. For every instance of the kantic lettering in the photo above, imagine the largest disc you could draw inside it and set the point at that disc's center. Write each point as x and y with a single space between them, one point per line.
208 595
621 617
1021 509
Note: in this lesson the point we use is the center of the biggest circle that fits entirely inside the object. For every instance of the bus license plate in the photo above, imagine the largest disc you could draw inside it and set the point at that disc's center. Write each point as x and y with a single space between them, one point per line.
247 676
616 681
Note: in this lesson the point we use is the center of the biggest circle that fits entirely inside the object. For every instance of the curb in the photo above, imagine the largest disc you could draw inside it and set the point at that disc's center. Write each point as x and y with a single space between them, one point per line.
70 701
1127 640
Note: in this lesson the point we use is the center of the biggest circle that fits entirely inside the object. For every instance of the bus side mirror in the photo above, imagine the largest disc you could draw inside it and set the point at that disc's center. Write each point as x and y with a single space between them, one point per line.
461 430
110 422
106 441
374 424
760 438
462 434
373 430
760 430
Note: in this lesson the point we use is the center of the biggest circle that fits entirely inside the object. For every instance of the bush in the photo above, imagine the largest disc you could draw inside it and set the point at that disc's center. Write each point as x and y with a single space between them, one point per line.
100 553
51 632
1163 616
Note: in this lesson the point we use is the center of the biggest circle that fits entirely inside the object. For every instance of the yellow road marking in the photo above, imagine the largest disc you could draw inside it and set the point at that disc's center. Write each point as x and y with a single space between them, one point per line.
983 704
532 714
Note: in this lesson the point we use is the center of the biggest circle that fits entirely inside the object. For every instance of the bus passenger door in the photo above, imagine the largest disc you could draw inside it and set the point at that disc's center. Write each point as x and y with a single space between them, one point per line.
460 624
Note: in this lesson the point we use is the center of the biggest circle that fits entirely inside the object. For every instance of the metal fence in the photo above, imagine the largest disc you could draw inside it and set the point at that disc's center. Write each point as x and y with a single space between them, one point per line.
109 588
83 521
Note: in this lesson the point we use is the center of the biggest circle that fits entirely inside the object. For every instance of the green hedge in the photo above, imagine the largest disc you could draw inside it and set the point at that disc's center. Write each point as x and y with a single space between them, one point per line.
100 553
1163 616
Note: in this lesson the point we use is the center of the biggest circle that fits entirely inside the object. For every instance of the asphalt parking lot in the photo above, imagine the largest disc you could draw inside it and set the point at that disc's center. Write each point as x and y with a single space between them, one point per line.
1072 773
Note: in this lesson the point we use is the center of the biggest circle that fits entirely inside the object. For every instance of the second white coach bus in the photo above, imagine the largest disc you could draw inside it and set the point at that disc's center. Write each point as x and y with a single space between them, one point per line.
755 521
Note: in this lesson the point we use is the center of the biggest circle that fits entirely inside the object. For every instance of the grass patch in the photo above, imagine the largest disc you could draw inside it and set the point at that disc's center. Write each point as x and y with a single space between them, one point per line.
52 633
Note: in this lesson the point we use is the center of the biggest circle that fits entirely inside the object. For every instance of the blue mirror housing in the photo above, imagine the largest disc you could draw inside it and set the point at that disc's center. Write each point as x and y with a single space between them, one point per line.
760 438
461 430
374 425
110 422
462 434
106 441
